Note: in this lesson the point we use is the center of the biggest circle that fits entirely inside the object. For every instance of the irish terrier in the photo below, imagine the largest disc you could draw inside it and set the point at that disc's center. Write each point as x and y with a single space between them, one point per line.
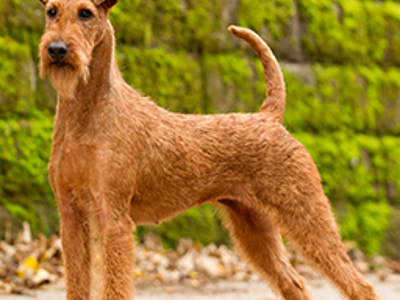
119 160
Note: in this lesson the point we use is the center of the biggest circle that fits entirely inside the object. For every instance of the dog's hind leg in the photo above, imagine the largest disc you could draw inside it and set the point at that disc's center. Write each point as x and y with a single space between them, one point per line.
261 246
307 222
303 215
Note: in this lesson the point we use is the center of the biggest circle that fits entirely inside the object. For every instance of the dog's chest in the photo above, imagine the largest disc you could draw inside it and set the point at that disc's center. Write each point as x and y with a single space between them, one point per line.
72 165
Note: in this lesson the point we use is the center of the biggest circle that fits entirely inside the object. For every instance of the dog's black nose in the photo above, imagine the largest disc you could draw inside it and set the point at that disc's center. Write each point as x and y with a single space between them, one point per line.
58 50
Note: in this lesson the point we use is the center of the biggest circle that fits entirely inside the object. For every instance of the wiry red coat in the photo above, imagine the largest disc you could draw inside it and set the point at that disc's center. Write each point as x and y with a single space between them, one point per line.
119 160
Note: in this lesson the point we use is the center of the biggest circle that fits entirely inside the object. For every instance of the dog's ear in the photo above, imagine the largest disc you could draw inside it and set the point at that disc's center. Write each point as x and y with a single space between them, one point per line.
43 1
108 3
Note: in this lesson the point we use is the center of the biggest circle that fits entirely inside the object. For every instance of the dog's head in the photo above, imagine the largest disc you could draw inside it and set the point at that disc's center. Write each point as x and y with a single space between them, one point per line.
73 29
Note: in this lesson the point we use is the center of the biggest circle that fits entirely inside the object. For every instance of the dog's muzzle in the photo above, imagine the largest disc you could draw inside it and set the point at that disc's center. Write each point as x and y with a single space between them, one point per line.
57 50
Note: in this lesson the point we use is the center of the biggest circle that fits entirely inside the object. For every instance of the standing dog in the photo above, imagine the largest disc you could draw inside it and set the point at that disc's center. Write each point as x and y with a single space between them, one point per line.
119 160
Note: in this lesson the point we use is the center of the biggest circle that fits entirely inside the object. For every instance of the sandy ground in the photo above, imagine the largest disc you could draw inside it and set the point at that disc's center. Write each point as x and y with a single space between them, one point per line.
321 290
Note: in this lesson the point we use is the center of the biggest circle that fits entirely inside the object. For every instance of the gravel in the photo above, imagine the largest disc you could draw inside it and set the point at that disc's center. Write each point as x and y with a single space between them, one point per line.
388 290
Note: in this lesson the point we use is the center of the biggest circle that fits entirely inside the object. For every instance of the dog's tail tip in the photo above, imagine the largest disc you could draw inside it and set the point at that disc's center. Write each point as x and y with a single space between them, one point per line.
240 32
233 29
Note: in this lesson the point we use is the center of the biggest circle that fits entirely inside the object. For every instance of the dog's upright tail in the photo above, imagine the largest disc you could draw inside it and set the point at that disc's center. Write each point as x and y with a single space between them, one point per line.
275 101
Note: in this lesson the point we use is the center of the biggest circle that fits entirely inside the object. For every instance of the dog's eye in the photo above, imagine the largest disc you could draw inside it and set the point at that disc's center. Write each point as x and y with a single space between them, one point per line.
52 13
85 14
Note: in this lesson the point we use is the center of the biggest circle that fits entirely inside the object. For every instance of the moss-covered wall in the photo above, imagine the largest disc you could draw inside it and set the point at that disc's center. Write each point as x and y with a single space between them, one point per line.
341 61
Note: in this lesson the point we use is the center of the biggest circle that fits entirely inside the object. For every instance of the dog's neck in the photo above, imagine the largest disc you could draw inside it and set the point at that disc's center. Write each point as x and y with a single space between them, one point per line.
104 77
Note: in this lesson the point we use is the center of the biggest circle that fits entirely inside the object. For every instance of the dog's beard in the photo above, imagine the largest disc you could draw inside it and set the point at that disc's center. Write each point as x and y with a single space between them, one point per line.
66 78
68 73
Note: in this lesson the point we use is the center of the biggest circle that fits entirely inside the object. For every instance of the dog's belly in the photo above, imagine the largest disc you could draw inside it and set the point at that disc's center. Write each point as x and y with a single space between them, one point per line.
156 206
153 212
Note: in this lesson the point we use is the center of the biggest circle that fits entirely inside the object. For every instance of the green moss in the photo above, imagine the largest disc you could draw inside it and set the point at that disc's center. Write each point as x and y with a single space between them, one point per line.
351 99
351 32
171 79
22 20
24 187
357 173
148 22
344 106
375 30
15 89
229 77
392 19
275 15
197 223
391 243
204 24
366 224
191 25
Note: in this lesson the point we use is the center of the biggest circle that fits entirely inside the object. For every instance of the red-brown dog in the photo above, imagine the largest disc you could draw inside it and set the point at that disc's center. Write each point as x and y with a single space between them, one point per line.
119 160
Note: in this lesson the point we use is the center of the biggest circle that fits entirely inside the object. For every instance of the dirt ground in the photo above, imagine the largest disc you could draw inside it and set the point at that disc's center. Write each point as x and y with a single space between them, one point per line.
388 290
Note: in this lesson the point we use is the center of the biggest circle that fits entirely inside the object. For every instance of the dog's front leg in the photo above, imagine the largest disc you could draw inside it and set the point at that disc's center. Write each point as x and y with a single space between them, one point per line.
117 245
75 238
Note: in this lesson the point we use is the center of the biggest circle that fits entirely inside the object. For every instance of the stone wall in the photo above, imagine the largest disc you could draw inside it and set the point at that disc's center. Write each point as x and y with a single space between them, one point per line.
341 61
